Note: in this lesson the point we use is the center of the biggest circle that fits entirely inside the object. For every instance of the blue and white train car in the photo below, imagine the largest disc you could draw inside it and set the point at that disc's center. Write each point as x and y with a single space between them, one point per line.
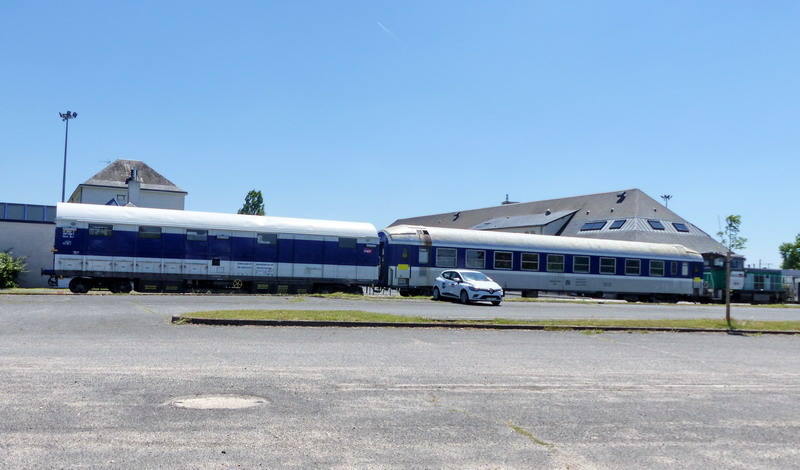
124 248
415 255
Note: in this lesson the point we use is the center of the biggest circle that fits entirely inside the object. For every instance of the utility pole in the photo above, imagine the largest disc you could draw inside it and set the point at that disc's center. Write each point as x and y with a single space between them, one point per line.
65 117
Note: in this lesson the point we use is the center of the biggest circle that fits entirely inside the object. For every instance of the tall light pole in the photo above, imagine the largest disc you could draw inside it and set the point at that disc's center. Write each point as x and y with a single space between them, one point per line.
666 198
65 117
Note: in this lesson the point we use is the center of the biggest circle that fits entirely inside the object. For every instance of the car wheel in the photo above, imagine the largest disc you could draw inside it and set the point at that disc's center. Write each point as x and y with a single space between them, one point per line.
495 302
464 297
436 295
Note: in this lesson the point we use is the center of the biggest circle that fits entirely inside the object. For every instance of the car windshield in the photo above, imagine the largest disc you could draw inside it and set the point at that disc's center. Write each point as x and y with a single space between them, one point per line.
475 277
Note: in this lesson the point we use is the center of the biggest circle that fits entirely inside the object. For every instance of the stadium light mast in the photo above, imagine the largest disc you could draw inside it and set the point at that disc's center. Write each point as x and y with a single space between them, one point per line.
666 198
65 117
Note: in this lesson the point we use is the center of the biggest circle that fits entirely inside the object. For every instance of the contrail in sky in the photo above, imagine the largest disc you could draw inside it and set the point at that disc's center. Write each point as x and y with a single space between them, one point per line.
389 32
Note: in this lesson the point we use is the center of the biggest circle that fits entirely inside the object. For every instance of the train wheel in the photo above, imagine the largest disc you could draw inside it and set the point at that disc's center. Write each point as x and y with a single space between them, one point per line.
355 290
463 297
237 283
124 286
436 295
80 285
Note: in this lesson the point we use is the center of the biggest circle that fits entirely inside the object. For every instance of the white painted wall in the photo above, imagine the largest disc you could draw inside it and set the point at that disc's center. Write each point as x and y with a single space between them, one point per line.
33 240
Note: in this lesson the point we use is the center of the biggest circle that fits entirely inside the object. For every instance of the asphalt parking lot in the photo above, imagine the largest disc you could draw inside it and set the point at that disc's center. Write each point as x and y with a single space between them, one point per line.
109 382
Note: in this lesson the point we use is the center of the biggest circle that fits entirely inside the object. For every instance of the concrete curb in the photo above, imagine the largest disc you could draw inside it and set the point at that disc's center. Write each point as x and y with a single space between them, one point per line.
455 324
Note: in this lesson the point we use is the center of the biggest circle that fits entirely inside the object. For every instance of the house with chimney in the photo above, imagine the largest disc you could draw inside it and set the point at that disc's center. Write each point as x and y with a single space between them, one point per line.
27 230
130 182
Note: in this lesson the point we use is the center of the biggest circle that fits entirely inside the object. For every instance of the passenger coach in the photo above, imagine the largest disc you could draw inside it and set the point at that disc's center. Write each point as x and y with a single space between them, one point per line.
124 248
415 255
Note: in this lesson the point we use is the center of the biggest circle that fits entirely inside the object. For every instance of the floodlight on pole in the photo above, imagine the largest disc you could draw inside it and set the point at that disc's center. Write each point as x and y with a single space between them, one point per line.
65 117
666 198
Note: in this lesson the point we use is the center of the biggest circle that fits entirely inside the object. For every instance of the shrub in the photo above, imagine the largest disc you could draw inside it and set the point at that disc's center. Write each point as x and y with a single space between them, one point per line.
10 268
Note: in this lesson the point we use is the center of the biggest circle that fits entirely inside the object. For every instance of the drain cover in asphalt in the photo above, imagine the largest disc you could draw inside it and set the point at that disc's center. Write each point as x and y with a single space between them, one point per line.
219 402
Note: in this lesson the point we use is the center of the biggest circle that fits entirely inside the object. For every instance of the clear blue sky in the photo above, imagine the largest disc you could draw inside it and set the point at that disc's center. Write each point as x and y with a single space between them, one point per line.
378 110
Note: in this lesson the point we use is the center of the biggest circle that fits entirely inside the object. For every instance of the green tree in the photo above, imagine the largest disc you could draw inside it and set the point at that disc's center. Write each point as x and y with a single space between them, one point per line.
732 241
253 203
790 252
10 268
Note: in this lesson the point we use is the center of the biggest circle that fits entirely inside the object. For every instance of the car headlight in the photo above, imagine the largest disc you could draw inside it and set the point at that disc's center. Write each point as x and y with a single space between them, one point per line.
473 289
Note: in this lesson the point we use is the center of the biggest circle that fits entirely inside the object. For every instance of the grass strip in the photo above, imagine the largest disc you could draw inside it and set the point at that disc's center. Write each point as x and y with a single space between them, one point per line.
362 316
306 315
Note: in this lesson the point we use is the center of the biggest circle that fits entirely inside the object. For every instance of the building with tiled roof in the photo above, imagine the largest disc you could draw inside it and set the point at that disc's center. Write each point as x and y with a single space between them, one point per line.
628 215
132 182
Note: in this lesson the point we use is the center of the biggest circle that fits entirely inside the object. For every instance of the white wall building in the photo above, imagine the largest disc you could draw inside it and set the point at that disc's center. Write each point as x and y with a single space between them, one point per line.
28 230
130 182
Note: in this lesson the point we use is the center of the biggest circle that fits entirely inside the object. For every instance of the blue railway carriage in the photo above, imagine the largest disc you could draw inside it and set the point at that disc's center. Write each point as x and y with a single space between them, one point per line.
154 250
414 255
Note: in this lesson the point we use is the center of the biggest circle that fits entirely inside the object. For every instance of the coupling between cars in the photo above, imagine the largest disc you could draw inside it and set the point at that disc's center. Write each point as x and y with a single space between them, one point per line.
467 286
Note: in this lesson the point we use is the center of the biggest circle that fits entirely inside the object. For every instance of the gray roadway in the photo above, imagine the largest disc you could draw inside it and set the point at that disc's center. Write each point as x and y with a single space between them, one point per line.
93 382
558 309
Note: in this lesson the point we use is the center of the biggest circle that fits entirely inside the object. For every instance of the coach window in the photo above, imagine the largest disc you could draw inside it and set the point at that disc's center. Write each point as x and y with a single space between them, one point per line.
150 232
633 267
476 259
684 269
446 257
423 254
673 268
347 243
196 235
580 264
656 268
555 263
267 238
100 230
608 265
530 261
502 260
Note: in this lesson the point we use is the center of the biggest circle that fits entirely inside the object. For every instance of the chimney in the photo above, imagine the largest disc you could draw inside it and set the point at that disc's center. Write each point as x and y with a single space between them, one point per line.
134 187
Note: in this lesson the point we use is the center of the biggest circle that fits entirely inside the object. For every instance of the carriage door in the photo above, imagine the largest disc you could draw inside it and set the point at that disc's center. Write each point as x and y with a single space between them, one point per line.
220 252
195 263
403 267
266 255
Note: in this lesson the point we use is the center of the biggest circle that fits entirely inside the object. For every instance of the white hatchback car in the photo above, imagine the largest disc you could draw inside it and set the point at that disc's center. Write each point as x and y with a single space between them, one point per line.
467 286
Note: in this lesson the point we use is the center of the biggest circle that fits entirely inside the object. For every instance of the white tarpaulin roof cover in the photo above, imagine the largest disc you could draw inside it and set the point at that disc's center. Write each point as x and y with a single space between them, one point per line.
209 220
538 243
